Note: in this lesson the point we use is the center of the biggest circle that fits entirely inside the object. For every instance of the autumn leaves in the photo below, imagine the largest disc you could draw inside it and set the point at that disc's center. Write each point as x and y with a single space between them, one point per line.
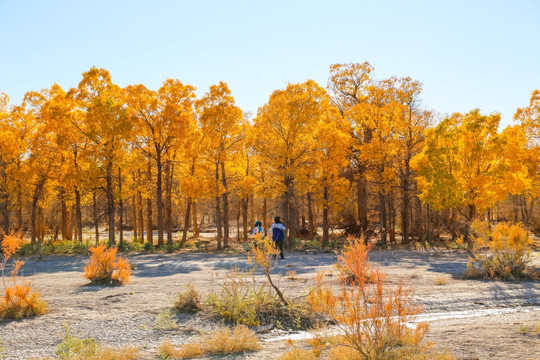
359 150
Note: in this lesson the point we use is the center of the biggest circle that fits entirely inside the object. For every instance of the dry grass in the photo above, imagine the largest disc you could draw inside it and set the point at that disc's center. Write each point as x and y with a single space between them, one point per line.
530 329
291 275
125 353
226 342
441 280
188 300
105 268
298 354
191 350
220 342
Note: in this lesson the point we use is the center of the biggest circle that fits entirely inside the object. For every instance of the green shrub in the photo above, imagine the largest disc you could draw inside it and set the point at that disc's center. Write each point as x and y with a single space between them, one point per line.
148 246
55 247
73 346
240 299
165 320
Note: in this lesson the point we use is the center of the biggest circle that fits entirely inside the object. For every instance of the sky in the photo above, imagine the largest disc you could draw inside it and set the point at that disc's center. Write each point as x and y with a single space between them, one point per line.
468 54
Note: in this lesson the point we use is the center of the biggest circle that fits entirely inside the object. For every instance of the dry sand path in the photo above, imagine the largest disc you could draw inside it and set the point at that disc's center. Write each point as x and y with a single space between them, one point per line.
126 315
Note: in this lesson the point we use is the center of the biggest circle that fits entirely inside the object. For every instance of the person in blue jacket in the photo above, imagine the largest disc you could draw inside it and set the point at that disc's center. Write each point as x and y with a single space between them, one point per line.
258 230
278 235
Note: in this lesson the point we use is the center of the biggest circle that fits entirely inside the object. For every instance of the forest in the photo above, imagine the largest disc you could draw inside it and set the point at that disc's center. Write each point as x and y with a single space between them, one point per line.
358 155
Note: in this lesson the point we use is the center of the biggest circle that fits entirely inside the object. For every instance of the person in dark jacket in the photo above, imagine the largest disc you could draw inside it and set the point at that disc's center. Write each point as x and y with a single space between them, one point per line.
278 235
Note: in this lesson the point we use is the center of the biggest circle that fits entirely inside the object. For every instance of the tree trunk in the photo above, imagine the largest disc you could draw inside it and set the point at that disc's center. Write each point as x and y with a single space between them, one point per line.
288 209
4 203
41 227
110 204
149 224
470 218
218 209
361 198
4 208
325 222
225 207
311 223
382 218
238 221
96 220
186 222
78 212
64 216
34 232
265 214
245 203
429 225
218 222
194 218
140 206
405 208
392 211
252 208
121 207
69 225
169 168
134 223
159 195
19 211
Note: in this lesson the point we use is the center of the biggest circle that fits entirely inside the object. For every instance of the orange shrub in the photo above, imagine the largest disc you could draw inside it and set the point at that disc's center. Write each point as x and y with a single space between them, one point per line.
105 268
371 315
19 301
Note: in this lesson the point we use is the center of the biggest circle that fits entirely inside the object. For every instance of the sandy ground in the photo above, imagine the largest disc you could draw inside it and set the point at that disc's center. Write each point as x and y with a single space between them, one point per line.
475 319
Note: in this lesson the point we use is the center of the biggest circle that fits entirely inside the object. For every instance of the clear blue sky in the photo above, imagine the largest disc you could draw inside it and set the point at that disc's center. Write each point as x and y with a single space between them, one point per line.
468 54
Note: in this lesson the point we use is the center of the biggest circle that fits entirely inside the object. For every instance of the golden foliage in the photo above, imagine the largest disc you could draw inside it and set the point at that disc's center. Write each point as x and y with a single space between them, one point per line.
21 301
465 162
502 252
10 245
264 255
105 268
